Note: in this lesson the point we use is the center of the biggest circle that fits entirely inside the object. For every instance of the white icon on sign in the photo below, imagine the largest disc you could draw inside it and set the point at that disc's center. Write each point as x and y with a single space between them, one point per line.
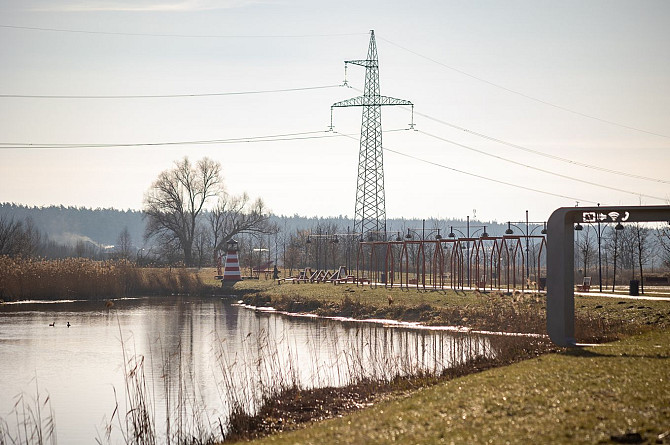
614 215
626 216
602 217
589 216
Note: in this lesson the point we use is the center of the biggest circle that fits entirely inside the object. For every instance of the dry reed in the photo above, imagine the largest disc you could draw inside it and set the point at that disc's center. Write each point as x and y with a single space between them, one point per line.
34 421
81 278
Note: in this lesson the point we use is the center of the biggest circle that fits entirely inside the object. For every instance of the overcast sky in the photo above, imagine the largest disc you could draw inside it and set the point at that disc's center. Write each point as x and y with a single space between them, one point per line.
505 93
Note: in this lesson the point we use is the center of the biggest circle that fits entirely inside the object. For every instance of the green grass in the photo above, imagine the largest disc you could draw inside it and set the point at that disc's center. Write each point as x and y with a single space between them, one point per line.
589 395
578 396
517 312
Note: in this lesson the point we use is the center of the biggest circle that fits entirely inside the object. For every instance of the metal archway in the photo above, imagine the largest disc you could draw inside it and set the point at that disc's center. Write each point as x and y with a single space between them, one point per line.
560 259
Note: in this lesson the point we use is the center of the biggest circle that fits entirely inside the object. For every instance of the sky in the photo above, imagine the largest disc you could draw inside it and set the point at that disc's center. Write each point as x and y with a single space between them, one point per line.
518 105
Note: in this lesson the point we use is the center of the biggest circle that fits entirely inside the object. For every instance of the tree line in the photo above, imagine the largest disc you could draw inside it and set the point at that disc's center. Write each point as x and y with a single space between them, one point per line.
620 254
188 217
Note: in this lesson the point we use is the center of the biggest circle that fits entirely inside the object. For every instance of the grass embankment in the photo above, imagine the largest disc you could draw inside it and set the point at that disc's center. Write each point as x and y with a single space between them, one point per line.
597 318
612 393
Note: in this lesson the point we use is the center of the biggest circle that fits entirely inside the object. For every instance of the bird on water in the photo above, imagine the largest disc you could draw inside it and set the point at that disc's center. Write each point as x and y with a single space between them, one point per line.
52 324
68 324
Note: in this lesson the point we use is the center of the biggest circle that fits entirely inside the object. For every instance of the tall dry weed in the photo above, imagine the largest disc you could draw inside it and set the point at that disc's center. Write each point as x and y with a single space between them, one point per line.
82 278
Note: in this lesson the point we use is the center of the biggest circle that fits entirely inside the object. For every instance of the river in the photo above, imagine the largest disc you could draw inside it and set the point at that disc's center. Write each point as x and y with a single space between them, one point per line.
192 358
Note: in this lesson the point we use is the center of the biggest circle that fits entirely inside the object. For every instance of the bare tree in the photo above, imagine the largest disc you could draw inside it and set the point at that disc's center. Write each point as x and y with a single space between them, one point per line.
663 237
614 250
294 251
177 198
124 244
235 215
642 249
19 238
202 246
586 249
10 236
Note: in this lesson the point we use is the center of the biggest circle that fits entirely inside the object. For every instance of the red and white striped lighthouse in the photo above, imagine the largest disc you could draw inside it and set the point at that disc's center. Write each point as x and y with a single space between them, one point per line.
231 271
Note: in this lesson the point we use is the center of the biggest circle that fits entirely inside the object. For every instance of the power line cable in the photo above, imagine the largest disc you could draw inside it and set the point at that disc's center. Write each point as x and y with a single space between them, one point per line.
571 178
250 139
526 96
436 164
546 155
154 96
305 135
530 150
141 34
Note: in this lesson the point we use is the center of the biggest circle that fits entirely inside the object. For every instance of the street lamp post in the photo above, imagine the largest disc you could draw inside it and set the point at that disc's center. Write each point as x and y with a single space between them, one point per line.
467 237
423 232
527 233
422 238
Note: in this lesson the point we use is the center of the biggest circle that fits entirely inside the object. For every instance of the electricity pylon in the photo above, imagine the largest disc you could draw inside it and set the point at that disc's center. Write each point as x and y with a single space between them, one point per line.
370 215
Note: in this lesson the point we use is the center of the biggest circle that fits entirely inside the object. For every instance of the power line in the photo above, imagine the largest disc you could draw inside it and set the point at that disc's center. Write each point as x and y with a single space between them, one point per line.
526 96
540 169
209 36
305 135
546 155
155 96
436 164
537 152
323 134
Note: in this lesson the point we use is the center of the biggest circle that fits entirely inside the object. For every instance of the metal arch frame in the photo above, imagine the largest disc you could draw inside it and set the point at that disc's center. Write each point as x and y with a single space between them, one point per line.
560 259
398 259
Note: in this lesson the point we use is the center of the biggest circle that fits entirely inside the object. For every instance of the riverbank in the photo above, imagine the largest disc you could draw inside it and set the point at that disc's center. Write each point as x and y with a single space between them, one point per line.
597 319
612 393
430 407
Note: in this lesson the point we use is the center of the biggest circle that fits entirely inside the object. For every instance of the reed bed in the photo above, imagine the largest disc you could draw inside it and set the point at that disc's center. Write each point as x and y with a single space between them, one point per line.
82 278
33 421
269 381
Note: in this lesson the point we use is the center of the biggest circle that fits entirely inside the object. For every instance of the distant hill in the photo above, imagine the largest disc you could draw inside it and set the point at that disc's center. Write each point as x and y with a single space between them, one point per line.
67 225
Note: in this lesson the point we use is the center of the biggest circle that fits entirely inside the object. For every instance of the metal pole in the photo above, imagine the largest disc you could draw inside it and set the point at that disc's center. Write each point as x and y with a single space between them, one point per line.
468 249
616 243
527 253
600 264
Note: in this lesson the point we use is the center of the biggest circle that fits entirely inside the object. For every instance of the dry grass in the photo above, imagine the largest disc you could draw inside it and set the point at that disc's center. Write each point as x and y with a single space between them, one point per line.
80 278
33 421
597 318
613 393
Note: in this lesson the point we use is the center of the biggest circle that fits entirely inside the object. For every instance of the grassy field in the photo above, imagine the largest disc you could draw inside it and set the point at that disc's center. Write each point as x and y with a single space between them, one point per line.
612 393
598 318
615 392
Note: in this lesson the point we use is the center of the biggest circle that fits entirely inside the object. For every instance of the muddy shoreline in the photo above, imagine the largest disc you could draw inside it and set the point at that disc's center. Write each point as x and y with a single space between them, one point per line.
296 408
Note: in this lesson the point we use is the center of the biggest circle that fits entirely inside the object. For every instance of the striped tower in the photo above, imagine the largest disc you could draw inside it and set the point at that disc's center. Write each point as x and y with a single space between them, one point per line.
231 271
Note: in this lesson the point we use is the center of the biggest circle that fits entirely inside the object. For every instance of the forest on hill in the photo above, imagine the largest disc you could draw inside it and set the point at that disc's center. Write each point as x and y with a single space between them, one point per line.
60 232
102 227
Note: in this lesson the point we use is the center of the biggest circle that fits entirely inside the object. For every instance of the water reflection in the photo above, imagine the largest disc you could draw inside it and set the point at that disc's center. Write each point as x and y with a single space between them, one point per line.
202 358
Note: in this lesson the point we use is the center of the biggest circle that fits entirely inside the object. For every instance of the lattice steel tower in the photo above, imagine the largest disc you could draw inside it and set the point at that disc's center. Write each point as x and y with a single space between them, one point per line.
370 215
